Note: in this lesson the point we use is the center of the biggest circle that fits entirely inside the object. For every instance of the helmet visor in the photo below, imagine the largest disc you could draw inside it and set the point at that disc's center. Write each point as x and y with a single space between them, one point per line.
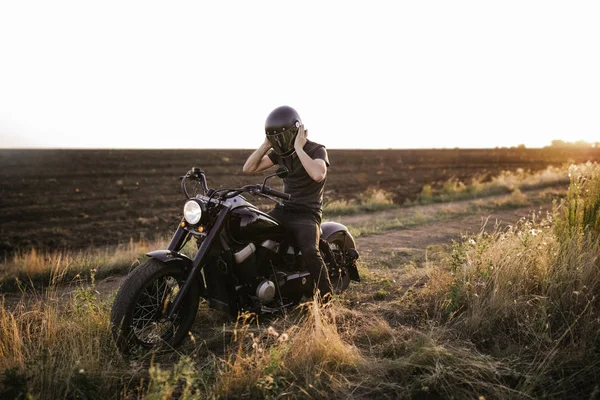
283 142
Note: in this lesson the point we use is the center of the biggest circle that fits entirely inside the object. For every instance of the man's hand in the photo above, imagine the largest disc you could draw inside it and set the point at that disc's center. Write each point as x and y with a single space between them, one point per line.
316 169
267 144
300 138
259 160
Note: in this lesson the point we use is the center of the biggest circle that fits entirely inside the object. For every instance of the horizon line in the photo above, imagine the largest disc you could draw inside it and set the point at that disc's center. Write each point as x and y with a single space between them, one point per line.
329 148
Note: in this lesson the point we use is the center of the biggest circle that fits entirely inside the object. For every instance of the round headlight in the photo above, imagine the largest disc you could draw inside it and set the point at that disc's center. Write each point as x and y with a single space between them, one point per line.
192 212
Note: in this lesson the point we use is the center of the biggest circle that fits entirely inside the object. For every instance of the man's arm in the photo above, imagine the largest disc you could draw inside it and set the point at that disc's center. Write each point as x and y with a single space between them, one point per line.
258 160
317 168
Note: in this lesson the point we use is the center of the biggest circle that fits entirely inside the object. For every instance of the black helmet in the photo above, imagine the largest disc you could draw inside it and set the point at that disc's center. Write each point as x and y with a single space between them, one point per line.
281 128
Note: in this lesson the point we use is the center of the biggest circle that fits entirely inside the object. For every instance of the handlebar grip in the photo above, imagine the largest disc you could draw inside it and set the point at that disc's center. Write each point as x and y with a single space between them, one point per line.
276 193
197 171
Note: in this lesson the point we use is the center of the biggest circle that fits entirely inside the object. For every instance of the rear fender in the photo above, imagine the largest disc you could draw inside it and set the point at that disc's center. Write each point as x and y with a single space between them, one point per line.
183 261
330 228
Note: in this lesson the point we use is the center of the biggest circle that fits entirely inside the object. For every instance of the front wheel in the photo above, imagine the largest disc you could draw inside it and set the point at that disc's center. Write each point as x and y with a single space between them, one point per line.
340 243
138 317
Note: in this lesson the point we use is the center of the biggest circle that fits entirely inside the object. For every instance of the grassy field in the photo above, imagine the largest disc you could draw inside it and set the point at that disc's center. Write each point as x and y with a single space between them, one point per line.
511 313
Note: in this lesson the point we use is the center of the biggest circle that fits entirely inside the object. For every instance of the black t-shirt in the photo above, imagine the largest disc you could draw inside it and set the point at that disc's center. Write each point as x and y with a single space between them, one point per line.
307 194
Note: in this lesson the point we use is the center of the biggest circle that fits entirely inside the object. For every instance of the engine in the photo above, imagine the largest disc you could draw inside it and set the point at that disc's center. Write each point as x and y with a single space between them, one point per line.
272 277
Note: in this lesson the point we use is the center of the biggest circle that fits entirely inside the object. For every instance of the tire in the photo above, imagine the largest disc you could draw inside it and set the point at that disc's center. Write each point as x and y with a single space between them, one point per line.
340 242
137 314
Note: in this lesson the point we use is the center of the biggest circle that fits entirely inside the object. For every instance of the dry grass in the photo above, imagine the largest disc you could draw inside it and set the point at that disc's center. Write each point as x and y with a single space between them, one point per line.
531 291
408 217
305 354
50 351
58 347
369 201
338 353
506 182
453 190
511 314
35 268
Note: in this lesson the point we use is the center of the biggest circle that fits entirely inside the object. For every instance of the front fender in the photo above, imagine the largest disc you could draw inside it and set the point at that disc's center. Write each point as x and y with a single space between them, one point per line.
183 261
168 256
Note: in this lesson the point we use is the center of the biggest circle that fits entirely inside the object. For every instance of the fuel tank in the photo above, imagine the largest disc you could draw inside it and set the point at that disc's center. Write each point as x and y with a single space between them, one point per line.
249 224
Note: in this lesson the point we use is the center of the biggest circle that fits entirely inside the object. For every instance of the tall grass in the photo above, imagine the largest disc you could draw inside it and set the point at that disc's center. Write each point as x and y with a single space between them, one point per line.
309 357
52 347
49 351
580 219
337 353
34 268
532 291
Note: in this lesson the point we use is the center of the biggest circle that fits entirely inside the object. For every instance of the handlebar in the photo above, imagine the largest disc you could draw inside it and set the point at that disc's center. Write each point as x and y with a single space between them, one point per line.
256 190
276 193
198 175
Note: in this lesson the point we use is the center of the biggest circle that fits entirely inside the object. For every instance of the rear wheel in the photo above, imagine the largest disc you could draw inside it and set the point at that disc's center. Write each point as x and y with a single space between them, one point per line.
339 243
138 316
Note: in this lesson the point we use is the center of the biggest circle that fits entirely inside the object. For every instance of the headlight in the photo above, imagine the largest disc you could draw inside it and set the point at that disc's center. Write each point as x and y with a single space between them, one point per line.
192 212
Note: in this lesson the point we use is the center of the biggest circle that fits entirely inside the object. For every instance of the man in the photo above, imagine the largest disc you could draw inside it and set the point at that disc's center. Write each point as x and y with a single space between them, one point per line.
286 144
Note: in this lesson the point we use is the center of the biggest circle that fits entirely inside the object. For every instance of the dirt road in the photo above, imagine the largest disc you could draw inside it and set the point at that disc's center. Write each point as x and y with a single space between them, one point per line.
412 243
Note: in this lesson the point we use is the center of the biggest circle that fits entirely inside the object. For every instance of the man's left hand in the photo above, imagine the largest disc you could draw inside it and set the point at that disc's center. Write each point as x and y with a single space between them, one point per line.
301 138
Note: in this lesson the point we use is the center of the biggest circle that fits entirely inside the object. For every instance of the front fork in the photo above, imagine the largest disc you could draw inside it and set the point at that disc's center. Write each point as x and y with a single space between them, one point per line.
178 238
198 259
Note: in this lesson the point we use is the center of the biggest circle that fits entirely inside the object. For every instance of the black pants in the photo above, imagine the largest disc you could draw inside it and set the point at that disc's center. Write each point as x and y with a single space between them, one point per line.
304 229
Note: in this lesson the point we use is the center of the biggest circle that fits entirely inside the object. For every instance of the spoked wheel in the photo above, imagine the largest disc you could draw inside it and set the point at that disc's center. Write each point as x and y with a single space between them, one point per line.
138 316
339 243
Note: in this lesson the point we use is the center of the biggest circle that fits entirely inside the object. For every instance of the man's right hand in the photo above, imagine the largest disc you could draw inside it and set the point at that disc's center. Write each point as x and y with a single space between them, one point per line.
267 144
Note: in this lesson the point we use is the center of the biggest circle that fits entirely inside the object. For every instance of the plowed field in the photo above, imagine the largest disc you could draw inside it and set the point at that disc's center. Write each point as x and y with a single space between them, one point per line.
80 198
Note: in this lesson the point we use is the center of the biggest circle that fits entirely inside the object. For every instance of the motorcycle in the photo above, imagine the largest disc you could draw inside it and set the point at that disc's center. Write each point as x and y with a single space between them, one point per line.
244 262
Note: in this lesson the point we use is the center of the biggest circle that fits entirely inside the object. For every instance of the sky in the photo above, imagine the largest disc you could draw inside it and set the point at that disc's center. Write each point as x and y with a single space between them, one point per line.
376 74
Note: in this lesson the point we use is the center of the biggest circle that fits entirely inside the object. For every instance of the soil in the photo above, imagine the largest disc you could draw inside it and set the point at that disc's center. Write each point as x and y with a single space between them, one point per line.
75 199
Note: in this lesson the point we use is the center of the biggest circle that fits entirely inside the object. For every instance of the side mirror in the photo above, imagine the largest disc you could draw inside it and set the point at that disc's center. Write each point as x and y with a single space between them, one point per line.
282 172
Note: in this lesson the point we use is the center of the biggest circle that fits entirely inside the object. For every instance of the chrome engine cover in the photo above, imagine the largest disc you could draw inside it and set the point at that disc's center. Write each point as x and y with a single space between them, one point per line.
265 291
